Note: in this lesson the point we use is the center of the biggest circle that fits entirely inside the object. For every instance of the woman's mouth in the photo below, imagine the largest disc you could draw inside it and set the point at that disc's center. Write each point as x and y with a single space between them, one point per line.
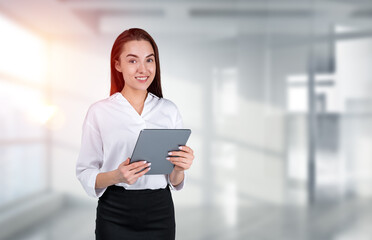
142 79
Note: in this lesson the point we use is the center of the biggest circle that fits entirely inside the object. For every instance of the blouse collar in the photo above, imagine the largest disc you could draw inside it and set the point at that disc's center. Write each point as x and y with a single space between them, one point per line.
120 97
149 103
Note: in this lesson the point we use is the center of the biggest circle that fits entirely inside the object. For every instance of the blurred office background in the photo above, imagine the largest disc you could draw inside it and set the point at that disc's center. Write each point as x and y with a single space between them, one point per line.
276 92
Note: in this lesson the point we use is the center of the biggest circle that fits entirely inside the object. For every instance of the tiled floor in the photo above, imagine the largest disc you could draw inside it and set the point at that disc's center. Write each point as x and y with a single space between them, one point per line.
346 221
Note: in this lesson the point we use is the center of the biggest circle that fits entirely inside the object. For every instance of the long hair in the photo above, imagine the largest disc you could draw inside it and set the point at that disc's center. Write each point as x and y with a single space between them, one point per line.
117 80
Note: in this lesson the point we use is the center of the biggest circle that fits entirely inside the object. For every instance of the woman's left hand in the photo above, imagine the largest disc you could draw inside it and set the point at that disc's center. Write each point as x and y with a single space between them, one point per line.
182 159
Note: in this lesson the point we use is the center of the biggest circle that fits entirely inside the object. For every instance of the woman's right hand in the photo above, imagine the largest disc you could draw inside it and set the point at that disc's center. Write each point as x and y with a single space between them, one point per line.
129 172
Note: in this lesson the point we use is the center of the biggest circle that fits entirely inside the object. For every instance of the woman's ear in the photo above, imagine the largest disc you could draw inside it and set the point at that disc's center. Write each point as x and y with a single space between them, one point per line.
117 66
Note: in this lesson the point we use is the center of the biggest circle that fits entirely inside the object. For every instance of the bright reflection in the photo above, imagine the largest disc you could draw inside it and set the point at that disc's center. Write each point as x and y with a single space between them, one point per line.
37 110
23 55
230 202
29 102
41 113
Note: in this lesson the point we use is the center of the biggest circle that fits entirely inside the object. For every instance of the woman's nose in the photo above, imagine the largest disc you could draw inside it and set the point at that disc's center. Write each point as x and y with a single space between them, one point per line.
141 68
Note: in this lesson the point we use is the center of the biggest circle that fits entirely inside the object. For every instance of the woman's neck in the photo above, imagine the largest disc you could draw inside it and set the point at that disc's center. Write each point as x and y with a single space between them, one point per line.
136 98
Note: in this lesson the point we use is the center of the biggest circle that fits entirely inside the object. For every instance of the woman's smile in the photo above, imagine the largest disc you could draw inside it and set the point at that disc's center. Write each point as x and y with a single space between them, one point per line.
142 79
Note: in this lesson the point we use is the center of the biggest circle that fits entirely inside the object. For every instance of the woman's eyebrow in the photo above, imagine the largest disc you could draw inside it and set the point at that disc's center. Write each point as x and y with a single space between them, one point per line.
133 55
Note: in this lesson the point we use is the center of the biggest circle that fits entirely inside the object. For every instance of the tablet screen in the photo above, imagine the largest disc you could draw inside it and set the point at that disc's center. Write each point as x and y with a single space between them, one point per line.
153 146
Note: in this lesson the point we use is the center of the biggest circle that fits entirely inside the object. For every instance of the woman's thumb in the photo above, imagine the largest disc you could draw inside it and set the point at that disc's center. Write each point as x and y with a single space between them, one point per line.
126 162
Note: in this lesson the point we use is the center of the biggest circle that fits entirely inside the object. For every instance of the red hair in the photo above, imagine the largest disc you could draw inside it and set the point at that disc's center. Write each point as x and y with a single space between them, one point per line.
117 80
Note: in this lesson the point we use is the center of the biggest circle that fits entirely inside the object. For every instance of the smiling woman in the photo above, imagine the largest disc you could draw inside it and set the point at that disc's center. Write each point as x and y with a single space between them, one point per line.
125 50
138 69
131 205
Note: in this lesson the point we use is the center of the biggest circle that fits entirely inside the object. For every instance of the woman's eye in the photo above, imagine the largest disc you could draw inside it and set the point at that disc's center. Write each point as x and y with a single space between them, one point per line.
150 60
132 61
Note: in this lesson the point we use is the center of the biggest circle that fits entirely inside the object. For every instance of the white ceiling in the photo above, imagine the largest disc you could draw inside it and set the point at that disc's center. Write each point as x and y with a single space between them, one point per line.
189 19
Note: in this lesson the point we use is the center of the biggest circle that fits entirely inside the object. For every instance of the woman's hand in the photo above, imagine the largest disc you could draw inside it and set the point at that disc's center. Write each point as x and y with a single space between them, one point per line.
182 159
129 172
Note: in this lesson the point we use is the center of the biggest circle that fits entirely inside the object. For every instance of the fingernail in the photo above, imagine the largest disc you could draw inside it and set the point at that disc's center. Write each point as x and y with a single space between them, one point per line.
180 148
149 164
169 153
168 158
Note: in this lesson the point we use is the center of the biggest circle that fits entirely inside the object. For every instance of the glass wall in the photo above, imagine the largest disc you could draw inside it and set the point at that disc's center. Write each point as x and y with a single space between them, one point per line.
23 113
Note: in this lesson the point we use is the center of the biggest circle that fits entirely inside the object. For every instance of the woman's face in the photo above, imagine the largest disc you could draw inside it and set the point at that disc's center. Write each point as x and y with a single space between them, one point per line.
137 64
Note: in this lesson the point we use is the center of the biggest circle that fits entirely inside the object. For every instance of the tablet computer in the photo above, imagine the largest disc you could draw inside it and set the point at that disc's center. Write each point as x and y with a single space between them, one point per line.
153 146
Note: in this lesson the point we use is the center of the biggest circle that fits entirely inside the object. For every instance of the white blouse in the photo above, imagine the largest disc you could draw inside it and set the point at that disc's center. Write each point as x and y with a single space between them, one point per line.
110 132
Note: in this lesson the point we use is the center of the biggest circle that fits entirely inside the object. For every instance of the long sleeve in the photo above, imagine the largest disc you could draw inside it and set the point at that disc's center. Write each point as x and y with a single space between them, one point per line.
90 159
179 121
178 125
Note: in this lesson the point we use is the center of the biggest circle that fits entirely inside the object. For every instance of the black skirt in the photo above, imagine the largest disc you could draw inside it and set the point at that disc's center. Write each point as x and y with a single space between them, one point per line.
135 214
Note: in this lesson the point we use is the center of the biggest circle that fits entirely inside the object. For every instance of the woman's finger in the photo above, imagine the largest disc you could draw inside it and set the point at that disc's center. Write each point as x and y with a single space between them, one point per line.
180 160
182 165
187 157
135 175
140 167
126 162
141 173
135 165
181 154
178 154
186 149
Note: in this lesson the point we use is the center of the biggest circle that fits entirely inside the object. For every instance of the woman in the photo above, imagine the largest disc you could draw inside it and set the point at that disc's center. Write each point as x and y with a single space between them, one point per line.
131 205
